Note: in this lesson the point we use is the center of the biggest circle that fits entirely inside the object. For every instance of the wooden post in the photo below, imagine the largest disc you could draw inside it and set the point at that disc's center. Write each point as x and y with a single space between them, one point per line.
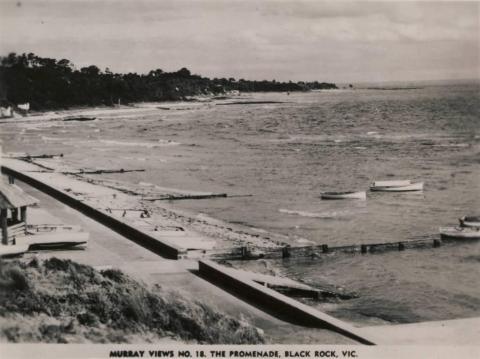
286 252
14 215
3 223
244 252
23 214
363 248
11 180
324 248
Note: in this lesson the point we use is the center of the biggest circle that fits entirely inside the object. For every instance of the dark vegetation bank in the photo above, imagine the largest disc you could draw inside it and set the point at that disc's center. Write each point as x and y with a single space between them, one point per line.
53 84
60 301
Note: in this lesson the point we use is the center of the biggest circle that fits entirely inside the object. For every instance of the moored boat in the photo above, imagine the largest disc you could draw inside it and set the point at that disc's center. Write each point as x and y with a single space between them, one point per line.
391 183
460 233
344 195
469 221
406 188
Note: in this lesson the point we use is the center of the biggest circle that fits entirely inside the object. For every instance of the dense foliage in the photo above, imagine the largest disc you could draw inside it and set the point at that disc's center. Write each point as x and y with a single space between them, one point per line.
60 301
49 83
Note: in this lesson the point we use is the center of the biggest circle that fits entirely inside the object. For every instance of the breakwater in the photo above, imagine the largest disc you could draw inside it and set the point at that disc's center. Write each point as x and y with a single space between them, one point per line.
243 253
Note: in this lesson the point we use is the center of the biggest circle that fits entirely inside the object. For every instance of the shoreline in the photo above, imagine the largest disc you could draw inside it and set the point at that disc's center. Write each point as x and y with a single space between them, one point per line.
110 200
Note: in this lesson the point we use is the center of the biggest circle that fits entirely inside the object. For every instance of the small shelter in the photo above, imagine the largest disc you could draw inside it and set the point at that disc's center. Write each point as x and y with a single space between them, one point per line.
13 202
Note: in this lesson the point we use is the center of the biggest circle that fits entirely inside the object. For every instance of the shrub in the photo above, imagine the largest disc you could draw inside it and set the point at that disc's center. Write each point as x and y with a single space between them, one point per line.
107 307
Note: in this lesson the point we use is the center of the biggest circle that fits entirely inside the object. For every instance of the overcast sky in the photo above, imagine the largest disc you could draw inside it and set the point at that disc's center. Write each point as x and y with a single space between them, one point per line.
285 40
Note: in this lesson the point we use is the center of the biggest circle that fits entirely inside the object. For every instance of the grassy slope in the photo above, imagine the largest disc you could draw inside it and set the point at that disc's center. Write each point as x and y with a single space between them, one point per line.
59 301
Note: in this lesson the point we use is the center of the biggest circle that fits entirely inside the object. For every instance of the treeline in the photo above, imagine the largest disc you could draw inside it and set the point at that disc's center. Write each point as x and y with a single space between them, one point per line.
49 84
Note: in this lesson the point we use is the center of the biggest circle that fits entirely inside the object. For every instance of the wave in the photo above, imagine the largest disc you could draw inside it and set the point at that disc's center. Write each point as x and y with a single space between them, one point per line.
46 139
326 215
141 144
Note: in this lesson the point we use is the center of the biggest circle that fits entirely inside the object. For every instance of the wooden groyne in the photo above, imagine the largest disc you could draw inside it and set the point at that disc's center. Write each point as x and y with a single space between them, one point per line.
276 303
176 197
255 252
162 248
102 171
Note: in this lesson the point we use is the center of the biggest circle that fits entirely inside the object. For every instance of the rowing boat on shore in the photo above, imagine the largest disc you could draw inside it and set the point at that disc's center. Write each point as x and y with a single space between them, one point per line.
460 232
344 195
405 188
469 221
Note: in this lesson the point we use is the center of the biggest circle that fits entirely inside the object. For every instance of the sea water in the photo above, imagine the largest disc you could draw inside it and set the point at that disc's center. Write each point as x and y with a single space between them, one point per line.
285 153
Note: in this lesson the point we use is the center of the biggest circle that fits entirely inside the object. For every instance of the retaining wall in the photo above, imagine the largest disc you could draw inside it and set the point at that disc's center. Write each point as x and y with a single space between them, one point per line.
155 245
277 303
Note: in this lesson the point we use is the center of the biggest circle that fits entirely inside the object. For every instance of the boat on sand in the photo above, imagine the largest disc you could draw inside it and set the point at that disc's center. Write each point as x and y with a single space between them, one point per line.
460 232
344 195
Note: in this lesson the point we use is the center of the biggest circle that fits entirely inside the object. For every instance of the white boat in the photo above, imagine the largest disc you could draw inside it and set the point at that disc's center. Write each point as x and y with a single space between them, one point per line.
407 188
469 221
460 233
344 195
391 183
13 250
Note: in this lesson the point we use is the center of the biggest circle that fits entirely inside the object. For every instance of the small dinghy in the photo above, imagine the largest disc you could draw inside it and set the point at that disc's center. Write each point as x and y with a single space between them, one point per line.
13 250
344 195
460 232
411 187
392 183
469 221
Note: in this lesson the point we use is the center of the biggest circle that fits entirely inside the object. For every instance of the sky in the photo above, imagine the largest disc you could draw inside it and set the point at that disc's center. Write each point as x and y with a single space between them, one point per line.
335 41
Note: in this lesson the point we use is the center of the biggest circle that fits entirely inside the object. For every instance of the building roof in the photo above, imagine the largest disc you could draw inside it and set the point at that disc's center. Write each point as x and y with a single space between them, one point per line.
12 196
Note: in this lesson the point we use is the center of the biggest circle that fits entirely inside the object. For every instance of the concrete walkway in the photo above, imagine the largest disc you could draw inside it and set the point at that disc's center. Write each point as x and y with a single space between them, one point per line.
445 332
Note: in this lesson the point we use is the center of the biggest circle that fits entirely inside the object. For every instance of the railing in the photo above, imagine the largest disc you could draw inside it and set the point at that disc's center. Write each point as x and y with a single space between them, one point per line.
15 231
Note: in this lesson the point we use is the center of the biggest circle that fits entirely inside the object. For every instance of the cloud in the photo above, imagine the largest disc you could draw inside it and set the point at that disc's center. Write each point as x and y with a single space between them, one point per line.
268 39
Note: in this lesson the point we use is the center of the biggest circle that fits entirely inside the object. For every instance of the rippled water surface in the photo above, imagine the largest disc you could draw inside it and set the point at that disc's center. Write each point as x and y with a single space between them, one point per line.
285 154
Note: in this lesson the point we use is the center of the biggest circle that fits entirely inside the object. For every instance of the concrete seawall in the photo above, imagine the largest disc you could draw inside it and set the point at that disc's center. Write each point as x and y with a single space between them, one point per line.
155 245
277 303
